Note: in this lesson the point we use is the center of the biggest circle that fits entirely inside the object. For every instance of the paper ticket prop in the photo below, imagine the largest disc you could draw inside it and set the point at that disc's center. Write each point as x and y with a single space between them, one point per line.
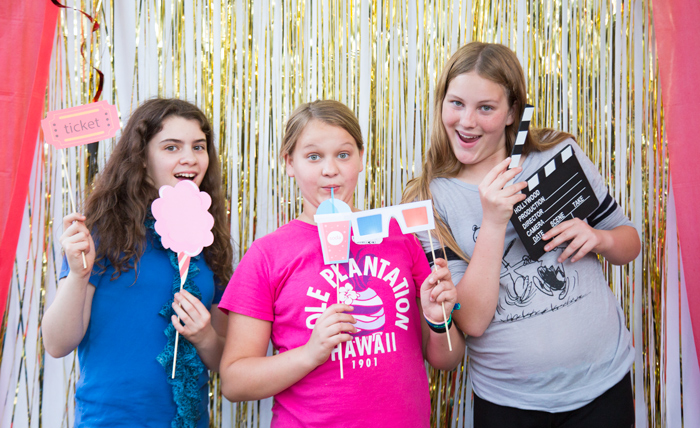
556 192
368 227
184 225
80 125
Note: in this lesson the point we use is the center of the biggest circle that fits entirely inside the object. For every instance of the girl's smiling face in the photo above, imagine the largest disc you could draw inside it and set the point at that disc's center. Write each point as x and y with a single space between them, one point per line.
475 113
178 152
325 157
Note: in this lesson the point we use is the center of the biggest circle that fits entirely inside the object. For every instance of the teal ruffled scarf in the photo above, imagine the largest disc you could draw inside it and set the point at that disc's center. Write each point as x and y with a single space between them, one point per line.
189 365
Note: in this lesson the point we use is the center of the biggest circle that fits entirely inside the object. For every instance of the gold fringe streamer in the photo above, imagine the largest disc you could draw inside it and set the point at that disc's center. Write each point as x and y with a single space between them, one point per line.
591 70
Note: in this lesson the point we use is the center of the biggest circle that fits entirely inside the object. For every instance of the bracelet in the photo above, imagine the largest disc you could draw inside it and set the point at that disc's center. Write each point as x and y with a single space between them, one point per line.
440 327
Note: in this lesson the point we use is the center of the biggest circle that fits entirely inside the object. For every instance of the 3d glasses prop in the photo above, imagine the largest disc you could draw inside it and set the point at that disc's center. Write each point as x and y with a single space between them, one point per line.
369 226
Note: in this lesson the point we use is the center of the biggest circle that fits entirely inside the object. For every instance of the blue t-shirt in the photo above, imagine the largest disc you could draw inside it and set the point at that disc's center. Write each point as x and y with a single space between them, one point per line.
121 382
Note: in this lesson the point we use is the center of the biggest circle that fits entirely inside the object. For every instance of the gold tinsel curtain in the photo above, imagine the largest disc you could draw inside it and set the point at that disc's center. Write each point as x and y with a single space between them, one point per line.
591 70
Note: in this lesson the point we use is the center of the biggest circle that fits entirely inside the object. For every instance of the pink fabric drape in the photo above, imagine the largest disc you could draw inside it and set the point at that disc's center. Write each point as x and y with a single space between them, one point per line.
26 39
677 28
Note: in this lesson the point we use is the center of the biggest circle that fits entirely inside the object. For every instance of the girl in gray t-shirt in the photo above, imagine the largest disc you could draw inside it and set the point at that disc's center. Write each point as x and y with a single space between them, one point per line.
547 339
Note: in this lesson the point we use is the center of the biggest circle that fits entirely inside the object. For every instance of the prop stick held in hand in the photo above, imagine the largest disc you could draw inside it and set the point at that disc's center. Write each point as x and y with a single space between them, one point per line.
101 122
337 293
333 223
337 296
444 314
183 264
184 225
72 201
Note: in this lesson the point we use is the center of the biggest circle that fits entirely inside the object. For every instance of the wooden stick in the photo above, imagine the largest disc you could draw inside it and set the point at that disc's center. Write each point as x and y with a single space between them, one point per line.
444 314
337 289
183 262
72 201
337 297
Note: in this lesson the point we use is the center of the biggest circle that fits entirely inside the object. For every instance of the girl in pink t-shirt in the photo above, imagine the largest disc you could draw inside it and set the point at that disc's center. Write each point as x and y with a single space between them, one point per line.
282 291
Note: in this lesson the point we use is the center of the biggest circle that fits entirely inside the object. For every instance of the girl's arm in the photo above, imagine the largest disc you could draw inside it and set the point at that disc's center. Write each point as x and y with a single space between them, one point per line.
477 291
65 322
619 246
205 330
436 290
248 374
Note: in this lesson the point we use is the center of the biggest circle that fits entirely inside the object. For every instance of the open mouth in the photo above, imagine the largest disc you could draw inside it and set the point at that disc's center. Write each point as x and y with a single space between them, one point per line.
185 176
468 138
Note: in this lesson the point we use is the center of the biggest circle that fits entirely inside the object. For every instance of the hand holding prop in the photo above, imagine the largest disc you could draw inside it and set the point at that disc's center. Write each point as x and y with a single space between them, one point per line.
79 125
184 225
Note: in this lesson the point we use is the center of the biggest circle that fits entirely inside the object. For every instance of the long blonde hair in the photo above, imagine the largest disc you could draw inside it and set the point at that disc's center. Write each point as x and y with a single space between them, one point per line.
499 64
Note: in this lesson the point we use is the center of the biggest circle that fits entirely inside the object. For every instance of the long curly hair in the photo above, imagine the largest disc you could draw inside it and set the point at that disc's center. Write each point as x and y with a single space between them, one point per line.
117 207
499 64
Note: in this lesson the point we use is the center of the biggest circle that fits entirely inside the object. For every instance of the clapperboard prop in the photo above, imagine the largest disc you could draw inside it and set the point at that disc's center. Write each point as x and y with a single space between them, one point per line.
522 135
556 192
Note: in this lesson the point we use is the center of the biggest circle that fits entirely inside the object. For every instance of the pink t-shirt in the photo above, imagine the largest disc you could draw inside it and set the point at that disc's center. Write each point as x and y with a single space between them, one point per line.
282 279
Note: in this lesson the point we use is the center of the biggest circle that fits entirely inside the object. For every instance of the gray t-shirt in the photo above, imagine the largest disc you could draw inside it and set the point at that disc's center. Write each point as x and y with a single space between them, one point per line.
558 338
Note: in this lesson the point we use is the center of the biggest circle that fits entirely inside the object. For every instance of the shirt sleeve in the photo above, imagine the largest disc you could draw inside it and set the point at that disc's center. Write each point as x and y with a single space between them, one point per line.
457 269
421 268
455 264
250 290
218 293
65 270
609 214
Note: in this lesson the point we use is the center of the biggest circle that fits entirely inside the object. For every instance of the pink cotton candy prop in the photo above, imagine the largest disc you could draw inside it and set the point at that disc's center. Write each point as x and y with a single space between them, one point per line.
182 219
184 226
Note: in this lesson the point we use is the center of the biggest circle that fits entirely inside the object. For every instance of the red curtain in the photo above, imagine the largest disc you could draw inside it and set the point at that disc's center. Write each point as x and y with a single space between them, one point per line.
677 28
26 39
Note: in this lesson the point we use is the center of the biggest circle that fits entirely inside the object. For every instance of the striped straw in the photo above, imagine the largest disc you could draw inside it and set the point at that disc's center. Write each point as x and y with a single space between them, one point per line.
183 263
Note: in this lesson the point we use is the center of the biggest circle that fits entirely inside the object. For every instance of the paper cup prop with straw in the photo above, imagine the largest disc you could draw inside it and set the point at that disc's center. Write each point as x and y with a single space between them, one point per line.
76 126
334 230
184 226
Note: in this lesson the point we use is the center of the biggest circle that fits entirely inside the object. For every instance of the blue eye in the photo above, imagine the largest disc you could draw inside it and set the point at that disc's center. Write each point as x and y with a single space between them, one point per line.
313 157
457 103
487 108
344 155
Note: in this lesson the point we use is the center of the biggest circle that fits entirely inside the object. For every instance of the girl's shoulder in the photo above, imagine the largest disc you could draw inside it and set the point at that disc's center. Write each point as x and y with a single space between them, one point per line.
292 233
446 185
551 151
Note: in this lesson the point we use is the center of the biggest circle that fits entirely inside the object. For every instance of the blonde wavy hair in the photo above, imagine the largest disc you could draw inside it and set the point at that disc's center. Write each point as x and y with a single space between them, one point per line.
330 112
